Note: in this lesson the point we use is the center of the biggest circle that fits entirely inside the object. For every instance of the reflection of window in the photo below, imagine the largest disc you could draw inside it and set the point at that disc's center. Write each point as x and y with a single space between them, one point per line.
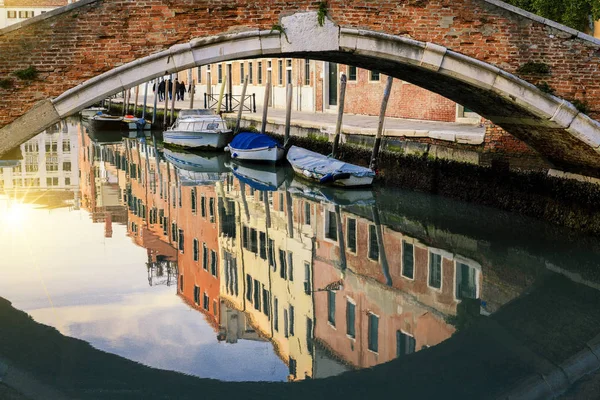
249 281
204 257
373 333
331 307
405 344
466 282
219 73
196 294
193 200
242 72
374 76
408 265
307 279
280 72
196 250
203 206
67 181
181 283
11 14
276 314
263 245
181 240
257 294
350 319
373 244
331 226
211 209
205 302
307 213
213 263
435 270
351 73
282 264
351 234
67 166
66 146
51 166
291 320
250 73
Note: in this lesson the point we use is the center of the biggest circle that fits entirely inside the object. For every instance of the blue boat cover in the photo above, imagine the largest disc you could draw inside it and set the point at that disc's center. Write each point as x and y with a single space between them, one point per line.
323 165
250 140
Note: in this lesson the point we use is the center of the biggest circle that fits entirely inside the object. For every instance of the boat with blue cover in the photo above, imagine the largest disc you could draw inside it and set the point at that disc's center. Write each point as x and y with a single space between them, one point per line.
260 177
327 170
255 147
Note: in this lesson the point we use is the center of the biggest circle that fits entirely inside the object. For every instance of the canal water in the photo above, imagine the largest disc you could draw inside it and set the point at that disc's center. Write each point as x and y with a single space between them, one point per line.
191 262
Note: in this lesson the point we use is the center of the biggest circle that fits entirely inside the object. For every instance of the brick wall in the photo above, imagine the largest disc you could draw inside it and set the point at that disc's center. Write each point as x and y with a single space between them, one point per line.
92 39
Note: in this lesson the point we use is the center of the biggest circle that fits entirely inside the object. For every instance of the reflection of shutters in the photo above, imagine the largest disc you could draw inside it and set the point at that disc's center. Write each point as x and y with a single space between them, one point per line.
405 344
373 332
350 319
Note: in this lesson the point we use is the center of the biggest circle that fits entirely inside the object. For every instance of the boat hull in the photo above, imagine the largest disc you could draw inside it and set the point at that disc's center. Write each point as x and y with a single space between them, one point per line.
197 140
264 154
90 112
103 124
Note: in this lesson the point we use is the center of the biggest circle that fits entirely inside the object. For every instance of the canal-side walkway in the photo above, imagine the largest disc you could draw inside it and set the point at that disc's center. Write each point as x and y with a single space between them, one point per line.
325 122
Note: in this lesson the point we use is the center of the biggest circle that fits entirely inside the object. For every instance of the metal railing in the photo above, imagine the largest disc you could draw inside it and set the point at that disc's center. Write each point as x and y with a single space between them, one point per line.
231 102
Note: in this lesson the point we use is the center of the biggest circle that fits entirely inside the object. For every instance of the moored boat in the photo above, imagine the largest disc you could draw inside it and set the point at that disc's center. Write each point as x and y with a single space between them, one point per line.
133 123
91 111
255 147
105 122
200 132
327 170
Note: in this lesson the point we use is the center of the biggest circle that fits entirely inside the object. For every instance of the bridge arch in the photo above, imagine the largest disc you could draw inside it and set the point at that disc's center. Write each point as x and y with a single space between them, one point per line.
554 127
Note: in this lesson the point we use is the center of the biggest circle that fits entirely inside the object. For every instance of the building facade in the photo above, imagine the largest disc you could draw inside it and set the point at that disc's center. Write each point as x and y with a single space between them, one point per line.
15 11
316 89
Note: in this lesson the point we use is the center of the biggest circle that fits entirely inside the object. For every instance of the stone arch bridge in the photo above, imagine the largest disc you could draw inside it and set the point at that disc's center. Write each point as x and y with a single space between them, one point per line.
470 51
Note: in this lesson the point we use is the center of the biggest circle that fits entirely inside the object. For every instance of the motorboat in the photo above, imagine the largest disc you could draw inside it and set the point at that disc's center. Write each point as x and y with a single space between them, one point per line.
198 168
327 170
208 132
255 147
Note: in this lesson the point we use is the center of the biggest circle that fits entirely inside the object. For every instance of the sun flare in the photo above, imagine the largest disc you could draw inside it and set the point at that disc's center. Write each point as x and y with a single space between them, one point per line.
14 214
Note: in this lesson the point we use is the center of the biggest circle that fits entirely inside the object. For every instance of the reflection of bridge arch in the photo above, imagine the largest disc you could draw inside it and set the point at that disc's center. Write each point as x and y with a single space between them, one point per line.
549 124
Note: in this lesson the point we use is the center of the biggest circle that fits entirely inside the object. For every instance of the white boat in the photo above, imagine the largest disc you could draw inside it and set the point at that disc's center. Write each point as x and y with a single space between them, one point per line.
90 112
199 132
197 168
327 170
255 147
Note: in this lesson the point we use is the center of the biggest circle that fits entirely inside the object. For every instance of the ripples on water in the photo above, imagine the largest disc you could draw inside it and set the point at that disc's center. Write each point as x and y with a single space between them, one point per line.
194 263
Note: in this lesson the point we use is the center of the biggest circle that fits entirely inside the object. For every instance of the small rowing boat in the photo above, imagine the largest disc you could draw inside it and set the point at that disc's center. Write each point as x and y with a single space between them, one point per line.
327 170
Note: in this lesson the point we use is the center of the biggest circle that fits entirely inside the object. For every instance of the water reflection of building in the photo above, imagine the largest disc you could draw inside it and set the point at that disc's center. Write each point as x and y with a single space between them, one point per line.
102 170
49 169
265 272
329 286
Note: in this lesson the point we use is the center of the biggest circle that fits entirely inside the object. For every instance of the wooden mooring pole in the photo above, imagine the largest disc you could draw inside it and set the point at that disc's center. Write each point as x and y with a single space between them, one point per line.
192 92
135 104
156 83
173 94
221 93
338 125
241 109
386 97
263 127
288 114
166 104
